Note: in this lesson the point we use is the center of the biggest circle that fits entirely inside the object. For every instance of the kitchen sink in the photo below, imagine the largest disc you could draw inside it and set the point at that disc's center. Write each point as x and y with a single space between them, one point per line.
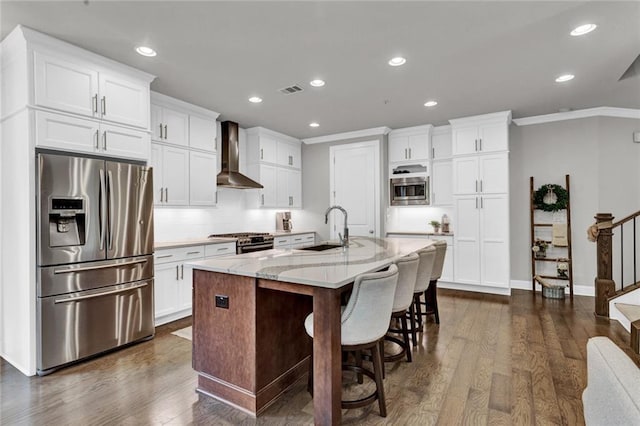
322 247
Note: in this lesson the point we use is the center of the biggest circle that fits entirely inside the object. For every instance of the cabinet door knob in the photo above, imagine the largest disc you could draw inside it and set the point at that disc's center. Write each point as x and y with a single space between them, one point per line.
371 231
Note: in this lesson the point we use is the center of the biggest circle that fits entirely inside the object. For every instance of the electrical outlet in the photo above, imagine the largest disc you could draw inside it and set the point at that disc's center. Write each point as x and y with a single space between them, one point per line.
222 302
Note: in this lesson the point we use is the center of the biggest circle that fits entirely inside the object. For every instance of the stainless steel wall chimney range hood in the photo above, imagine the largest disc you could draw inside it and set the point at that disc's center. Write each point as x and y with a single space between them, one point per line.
230 176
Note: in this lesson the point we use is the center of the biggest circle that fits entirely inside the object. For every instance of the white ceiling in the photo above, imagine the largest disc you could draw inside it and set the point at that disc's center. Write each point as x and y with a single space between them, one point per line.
473 57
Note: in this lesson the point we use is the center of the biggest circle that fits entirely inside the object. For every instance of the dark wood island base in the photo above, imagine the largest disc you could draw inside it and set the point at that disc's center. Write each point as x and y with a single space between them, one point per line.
249 353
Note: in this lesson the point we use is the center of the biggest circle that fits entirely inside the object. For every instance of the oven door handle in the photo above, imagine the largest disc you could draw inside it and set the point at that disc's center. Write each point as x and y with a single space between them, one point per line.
104 293
91 268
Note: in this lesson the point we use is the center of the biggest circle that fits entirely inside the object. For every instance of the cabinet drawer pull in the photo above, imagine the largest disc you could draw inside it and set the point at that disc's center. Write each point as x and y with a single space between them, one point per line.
166 195
261 154
480 144
160 130
161 194
182 271
104 140
95 103
482 202
164 256
104 105
177 272
298 239
166 134
193 252
433 153
476 147
409 153
262 195
223 249
97 139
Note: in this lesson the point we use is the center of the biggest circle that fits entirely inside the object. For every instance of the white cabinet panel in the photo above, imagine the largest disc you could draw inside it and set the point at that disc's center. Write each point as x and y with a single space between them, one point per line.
170 176
123 100
467 240
406 146
441 144
221 249
494 243
288 154
268 149
283 197
64 85
465 175
295 188
156 122
185 287
418 147
89 136
175 126
465 140
441 183
282 241
481 174
202 133
266 176
202 179
66 133
493 137
398 148
165 292
494 173
124 143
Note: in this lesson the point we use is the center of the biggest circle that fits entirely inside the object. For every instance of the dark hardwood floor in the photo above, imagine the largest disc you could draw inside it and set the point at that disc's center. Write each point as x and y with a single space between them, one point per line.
493 360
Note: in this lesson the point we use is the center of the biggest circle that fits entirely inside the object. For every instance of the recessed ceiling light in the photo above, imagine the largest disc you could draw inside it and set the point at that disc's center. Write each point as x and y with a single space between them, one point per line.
397 61
317 83
314 124
564 77
583 29
430 103
255 99
146 51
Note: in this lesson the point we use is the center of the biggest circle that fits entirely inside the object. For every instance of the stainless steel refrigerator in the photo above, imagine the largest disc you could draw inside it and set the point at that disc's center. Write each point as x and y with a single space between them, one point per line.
94 257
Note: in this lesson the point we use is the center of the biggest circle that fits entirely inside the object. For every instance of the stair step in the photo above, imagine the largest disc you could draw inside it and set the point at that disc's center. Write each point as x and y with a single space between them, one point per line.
632 312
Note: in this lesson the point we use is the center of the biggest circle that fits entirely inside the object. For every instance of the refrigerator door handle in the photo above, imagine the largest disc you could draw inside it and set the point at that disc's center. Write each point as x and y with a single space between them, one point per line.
103 209
92 268
104 293
111 212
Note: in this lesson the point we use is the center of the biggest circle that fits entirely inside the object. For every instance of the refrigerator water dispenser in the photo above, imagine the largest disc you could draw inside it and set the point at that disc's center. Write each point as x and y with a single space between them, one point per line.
66 222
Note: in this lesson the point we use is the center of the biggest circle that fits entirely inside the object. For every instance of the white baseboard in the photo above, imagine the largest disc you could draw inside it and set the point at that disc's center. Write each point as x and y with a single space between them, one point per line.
22 368
475 288
579 290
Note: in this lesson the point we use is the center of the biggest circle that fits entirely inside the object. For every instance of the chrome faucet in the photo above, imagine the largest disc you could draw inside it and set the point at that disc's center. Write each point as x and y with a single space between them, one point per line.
344 240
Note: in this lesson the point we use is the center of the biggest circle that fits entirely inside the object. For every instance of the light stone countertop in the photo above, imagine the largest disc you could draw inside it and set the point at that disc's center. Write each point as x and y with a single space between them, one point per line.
194 242
443 234
330 268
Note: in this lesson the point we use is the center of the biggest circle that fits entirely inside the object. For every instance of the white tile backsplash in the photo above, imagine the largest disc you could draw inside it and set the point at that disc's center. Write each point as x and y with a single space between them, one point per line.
237 211
416 219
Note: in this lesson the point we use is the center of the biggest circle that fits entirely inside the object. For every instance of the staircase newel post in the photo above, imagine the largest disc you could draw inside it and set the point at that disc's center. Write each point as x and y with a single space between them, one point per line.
604 284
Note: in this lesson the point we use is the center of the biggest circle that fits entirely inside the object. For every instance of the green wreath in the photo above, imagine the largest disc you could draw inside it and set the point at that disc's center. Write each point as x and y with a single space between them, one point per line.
562 198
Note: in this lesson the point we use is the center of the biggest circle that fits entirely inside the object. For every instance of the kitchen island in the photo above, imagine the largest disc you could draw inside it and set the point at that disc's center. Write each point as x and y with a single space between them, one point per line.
249 341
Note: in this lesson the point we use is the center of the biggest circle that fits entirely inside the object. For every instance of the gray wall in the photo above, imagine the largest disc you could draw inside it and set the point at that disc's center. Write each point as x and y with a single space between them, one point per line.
316 182
604 165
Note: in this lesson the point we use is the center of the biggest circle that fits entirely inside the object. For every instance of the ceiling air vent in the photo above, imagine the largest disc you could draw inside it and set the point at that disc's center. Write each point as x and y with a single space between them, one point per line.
291 89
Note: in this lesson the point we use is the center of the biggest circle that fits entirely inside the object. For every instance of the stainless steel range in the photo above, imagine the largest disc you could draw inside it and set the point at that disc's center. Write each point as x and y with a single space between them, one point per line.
249 241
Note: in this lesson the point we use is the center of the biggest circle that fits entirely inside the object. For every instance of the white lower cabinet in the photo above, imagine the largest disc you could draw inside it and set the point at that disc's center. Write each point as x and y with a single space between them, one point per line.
294 241
482 240
73 134
173 281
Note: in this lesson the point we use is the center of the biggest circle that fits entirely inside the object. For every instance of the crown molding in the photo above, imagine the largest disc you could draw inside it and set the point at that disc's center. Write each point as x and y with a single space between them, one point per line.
581 113
365 133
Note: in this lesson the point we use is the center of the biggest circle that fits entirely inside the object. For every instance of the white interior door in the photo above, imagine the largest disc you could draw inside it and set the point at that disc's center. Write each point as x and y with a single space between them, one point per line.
355 176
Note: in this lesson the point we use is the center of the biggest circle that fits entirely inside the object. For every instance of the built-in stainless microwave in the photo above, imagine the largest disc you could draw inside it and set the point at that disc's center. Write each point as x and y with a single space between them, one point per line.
409 191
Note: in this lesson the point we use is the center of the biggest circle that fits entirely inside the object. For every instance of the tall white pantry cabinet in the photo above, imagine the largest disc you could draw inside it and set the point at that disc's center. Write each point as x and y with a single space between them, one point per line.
54 96
481 199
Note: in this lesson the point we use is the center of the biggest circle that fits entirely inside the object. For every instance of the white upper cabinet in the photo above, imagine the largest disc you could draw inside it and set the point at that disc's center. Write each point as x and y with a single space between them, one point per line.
481 134
410 144
179 123
202 178
170 126
170 175
441 143
202 133
81 87
487 174
267 146
275 161
441 183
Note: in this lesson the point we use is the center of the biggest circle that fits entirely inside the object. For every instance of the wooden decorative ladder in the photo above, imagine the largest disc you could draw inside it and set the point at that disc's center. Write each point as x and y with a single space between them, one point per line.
607 287
568 258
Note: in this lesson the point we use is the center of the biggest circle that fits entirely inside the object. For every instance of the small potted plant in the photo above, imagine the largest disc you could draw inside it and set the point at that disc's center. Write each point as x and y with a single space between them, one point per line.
436 226
539 248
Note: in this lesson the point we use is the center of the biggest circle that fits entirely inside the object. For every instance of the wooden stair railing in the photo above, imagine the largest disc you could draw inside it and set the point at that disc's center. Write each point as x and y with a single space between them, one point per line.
605 285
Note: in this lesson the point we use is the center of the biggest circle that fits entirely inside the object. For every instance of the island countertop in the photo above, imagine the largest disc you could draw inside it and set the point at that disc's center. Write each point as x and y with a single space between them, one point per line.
331 268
